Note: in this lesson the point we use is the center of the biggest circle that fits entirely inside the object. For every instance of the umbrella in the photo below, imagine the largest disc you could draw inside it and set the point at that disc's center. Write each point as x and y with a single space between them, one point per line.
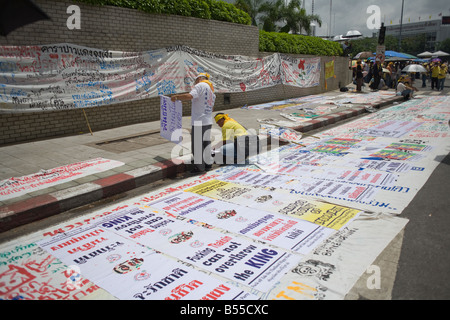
353 34
395 54
440 54
414 68
17 13
363 55
436 60
425 54
396 59
408 55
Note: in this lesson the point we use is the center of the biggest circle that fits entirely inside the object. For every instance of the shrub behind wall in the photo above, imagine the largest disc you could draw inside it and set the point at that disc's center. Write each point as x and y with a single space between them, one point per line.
297 44
204 9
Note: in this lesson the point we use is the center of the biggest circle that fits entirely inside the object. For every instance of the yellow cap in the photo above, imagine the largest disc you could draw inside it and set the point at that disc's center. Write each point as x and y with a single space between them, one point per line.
204 74
219 116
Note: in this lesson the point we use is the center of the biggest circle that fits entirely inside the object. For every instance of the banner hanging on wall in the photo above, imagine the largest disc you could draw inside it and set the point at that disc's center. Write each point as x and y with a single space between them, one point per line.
67 76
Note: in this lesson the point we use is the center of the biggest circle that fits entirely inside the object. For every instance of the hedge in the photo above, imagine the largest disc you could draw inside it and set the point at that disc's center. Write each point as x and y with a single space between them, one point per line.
298 44
204 9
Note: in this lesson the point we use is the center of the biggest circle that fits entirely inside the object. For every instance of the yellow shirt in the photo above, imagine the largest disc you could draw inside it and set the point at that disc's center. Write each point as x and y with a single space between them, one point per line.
435 71
442 72
232 129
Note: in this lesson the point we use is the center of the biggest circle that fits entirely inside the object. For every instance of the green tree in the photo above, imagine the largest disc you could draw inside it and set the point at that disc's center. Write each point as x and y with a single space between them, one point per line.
252 7
296 19
445 45
362 45
277 16
271 13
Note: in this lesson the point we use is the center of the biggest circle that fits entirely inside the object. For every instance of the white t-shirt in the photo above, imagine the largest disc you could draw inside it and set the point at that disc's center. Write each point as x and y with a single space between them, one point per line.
401 87
202 104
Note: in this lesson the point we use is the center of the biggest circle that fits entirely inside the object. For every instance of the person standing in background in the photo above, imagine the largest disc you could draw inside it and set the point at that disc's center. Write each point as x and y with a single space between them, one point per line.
359 76
435 70
441 77
203 99
377 72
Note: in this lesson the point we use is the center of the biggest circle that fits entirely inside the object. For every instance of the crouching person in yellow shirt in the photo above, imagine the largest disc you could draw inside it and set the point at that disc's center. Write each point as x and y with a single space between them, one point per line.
237 144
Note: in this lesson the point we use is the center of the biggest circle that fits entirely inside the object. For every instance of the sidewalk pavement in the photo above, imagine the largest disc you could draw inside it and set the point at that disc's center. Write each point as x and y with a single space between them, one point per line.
146 156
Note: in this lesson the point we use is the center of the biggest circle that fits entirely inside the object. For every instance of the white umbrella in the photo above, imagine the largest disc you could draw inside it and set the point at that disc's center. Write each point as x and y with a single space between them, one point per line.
414 68
440 54
425 54
353 34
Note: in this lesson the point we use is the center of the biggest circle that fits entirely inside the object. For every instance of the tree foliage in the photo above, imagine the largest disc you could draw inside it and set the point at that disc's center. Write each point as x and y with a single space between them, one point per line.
276 15
445 45
295 18
204 9
252 7
297 44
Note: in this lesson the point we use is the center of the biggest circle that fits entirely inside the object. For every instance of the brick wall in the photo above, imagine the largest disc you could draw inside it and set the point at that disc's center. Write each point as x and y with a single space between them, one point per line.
112 28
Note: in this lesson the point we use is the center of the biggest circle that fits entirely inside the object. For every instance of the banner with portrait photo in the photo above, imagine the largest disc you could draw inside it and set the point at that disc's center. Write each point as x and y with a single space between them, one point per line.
131 271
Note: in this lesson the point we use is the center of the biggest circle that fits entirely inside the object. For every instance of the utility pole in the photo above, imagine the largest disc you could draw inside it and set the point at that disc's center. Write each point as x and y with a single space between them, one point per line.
329 23
401 24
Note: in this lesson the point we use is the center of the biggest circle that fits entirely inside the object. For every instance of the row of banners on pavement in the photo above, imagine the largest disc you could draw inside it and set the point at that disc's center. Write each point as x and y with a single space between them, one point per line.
302 223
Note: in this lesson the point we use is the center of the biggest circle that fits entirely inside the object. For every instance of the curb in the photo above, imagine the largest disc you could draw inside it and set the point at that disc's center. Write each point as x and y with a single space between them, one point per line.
44 206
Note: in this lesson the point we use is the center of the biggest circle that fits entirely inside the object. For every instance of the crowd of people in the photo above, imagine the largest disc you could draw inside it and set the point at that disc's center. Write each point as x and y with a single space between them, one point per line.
237 143
378 76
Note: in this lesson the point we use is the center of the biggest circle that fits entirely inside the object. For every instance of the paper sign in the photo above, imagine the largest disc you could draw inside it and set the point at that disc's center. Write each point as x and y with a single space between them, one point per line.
171 119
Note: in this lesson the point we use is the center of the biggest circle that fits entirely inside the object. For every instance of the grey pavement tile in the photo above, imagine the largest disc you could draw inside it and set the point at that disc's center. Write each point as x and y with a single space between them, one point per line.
87 179
10 161
139 163
26 169
105 174
121 169
16 199
44 163
66 185
6 173
61 159
42 191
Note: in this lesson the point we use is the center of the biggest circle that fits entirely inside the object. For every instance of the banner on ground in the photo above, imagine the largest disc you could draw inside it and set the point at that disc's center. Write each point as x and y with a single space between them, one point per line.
282 231
131 271
278 201
242 261
17 186
67 76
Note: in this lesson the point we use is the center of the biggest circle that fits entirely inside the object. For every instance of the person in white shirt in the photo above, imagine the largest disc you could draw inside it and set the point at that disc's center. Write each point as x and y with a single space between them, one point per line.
203 98
405 89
